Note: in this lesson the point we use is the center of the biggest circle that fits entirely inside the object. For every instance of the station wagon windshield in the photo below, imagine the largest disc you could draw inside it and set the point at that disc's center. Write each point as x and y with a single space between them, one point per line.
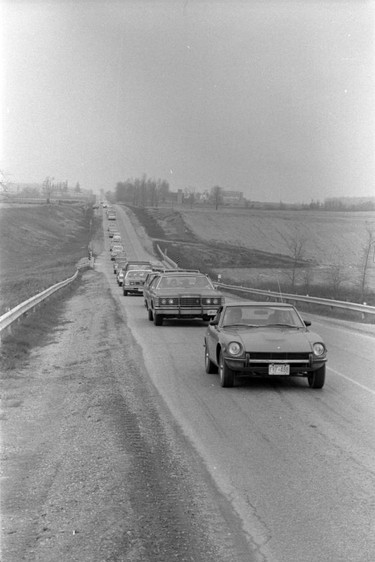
185 282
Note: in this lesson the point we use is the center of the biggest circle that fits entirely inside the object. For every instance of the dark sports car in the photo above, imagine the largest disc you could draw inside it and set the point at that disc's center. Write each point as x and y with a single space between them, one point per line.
263 339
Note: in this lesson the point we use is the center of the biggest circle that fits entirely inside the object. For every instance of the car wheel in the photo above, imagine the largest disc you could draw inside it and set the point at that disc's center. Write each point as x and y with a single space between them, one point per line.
125 293
150 314
209 365
226 375
317 378
158 319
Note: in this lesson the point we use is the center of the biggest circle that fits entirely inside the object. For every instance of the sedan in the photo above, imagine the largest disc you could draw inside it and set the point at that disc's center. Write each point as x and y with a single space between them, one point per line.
133 281
263 339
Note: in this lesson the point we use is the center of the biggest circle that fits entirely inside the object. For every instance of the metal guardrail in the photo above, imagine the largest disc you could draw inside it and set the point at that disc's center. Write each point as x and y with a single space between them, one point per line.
362 308
166 258
12 315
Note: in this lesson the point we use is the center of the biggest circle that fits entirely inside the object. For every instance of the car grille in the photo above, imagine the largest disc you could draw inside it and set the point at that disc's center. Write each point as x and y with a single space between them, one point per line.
190 301
268 357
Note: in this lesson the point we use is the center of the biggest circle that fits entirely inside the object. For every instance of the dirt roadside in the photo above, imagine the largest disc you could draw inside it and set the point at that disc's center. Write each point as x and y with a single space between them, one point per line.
93 466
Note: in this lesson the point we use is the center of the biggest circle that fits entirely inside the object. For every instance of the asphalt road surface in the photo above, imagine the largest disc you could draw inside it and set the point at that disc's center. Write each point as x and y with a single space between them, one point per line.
296 464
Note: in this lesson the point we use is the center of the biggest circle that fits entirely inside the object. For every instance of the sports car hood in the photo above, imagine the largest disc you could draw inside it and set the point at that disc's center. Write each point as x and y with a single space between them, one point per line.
274 339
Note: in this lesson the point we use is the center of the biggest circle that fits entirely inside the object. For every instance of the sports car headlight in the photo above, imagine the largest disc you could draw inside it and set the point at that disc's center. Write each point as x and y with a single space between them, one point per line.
234 348
319 349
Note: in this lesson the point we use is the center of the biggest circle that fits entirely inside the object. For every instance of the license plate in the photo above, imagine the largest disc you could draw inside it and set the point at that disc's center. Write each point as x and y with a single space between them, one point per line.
211 312
278 369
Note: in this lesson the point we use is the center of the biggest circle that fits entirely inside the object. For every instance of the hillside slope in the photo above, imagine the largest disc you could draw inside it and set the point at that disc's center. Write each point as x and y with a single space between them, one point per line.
331 237
39 246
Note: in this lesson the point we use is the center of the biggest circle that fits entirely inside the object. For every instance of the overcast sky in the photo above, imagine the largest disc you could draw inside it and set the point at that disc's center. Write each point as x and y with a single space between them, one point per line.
273 98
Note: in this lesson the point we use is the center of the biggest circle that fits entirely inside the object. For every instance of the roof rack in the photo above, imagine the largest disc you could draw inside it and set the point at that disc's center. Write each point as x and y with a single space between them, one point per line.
182 271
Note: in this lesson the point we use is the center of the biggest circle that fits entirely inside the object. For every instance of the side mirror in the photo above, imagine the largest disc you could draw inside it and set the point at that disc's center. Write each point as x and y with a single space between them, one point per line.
307 322
213 322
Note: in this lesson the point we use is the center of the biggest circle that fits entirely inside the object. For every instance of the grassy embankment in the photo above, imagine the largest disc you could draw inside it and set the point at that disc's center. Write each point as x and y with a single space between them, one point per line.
40 246
253 248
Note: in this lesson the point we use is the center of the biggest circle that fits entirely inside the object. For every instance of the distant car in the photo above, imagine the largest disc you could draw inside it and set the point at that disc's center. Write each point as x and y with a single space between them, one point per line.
119 261
138 264
263 339
115 250
120 275
133 281
182 294
117 238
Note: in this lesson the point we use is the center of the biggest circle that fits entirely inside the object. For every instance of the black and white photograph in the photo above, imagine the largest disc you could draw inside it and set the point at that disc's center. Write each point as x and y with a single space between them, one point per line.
187 280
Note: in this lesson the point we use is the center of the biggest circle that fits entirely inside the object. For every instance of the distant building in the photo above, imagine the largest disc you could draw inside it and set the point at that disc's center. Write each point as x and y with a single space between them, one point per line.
232 197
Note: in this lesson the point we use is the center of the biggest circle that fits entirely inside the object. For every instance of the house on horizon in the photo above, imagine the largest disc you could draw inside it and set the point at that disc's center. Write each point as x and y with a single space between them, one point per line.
234 198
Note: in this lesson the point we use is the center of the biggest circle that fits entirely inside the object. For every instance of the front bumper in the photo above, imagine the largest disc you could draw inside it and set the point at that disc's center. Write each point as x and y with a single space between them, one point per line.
185 312
246 366
136 289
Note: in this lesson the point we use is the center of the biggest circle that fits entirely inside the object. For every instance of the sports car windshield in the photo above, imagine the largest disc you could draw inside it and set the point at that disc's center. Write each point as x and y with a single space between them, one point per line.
255 317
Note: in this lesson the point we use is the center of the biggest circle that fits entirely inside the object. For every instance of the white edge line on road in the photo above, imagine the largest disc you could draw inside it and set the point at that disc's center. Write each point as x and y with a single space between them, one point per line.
353 381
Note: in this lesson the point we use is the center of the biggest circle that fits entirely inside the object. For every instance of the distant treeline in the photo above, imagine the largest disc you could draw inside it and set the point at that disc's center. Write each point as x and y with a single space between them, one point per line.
142 192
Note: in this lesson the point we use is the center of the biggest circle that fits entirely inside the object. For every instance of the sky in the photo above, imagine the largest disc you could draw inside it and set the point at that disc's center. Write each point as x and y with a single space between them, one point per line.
273 98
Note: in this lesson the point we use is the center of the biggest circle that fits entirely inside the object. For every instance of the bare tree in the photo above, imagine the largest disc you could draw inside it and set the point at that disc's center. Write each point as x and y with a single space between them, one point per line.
336 278
307 278
216 196
48 188
365 262
296 245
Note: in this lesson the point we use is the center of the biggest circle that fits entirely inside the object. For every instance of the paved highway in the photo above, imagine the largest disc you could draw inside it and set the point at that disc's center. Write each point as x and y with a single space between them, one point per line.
298 465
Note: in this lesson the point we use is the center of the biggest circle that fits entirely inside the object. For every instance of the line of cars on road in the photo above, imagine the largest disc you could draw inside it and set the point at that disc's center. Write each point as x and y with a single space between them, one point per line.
257 339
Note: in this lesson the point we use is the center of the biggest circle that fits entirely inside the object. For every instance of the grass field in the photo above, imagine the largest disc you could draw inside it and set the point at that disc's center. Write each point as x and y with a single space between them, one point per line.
253 247
40 245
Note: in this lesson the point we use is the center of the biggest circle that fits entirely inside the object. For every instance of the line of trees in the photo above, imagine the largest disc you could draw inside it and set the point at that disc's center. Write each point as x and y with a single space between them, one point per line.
142 191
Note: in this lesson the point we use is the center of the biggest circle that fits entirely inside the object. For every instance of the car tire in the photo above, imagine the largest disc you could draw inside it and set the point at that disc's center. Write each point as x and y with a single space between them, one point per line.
225 373
317 378
125 293
209 365
150 314
158 319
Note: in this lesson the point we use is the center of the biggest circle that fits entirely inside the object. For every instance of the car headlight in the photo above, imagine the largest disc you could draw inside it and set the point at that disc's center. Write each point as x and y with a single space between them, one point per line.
319 349
166 300
208 301
234 348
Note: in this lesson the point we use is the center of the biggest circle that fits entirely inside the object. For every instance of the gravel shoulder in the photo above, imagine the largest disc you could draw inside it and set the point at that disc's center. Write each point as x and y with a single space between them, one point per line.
93 466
